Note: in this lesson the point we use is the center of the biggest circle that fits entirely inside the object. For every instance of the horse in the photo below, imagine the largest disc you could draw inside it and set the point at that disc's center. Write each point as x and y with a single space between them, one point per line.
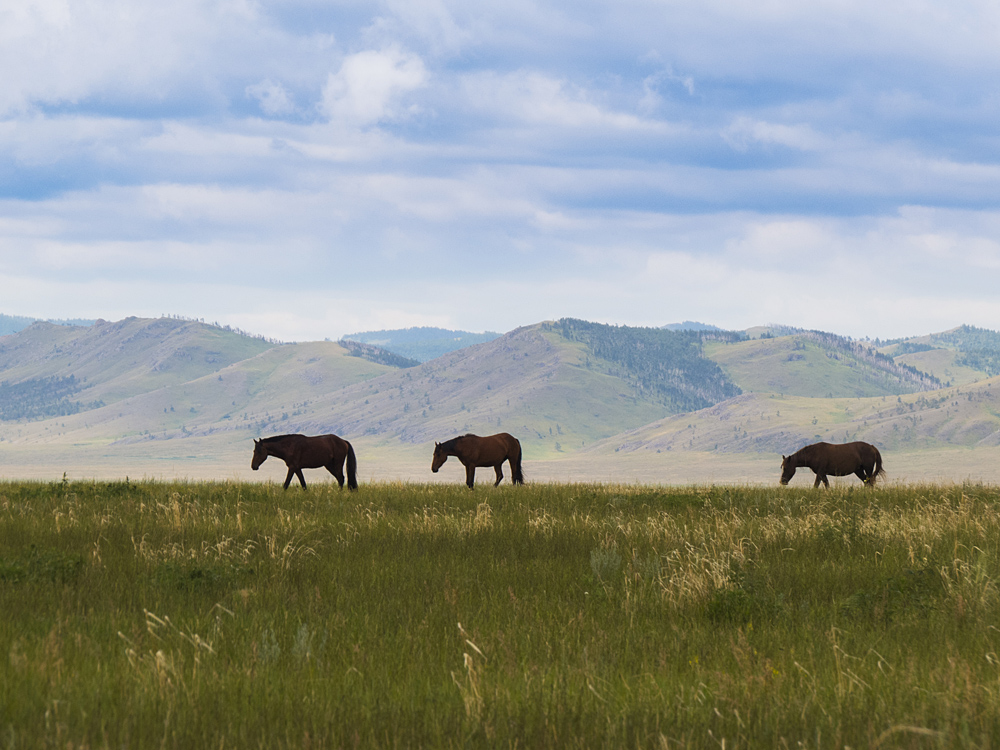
305 452
862 459
474 451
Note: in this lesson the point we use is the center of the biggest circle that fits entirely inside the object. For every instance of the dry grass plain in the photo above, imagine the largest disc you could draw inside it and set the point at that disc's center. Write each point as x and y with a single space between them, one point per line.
212 458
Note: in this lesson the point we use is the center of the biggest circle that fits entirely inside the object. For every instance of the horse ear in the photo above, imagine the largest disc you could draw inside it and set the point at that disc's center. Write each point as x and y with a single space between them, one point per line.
256 442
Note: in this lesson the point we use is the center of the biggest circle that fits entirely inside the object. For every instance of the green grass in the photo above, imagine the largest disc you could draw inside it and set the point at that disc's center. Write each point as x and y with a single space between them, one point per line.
238 615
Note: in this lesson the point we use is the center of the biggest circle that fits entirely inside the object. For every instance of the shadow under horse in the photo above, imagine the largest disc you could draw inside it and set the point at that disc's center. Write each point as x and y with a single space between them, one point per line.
473 451
305 452
838 460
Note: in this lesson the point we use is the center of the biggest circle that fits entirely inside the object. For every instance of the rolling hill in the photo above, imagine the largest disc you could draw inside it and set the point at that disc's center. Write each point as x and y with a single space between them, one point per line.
816 364
960 356
558 385
956 417
166 378
143 389
548 383
113 361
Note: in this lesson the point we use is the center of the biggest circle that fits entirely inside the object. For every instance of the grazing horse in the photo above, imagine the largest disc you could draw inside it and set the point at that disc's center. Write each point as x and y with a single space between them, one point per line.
474 451
303 452
862 459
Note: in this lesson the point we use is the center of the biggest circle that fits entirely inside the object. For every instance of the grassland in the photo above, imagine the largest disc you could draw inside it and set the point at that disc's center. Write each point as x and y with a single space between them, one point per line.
181 615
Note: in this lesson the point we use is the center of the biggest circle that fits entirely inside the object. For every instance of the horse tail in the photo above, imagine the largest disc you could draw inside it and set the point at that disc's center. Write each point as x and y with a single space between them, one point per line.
352 468
518 474
879 471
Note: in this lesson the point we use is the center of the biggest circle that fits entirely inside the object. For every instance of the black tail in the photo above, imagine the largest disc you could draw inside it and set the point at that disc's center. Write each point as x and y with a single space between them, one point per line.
517 475
879 471
352 468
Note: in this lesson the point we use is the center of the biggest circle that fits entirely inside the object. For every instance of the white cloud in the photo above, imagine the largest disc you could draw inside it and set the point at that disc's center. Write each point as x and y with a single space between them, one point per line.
370 86
274 100
790 162
745 132
531 97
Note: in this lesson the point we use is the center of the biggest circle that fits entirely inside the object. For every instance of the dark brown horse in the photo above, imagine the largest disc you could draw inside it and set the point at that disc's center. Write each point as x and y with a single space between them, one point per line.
474 451
827 459
303 452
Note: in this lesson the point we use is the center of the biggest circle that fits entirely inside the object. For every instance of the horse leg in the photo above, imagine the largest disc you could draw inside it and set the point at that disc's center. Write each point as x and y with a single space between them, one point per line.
288 479
470 475
499 471
337 472
302 479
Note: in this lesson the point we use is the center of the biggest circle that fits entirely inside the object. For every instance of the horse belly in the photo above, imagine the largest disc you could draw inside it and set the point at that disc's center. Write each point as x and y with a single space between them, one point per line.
315 456
843 461
492 456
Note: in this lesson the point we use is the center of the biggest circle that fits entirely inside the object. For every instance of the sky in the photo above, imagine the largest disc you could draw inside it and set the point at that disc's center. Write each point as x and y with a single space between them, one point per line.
305 169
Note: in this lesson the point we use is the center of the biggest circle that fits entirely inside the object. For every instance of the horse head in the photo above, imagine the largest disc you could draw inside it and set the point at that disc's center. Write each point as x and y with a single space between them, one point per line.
439 458
787 469
259 455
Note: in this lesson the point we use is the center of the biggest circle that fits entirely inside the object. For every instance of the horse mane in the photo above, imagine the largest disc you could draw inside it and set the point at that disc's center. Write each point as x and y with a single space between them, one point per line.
449 444
276 438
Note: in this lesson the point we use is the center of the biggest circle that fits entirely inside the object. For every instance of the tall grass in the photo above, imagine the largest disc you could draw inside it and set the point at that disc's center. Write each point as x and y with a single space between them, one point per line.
226 614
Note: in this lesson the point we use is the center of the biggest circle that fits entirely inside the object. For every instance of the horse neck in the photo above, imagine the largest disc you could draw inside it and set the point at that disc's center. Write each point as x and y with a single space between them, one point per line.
797 459
278 449
452 447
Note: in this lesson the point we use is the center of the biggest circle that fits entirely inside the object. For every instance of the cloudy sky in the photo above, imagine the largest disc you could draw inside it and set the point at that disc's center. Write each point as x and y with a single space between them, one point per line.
305 169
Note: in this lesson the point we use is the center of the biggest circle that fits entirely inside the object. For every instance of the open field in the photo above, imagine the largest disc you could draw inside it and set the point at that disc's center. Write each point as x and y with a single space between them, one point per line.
228 614
224 458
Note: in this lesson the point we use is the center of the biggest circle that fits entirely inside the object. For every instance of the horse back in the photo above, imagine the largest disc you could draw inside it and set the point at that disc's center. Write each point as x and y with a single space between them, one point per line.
837 459
313 452
490 450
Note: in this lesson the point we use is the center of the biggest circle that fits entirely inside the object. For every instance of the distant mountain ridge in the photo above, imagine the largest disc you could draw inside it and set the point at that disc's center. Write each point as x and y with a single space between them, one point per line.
14 323
422 343
690 325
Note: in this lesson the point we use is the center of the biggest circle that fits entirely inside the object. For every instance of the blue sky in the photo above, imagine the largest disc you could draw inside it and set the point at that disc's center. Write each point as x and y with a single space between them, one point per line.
307 169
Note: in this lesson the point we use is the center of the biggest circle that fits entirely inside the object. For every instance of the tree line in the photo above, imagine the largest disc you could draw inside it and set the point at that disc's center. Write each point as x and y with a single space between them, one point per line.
38 398
662 363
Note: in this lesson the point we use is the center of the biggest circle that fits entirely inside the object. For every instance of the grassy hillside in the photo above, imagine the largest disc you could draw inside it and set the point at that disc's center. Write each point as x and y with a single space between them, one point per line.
114 361
942 364
660 364
815 365
958 417
530 382
960 356
267 392
556 386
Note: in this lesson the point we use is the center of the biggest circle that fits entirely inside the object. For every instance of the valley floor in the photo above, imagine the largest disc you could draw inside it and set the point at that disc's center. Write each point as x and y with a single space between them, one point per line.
214 459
